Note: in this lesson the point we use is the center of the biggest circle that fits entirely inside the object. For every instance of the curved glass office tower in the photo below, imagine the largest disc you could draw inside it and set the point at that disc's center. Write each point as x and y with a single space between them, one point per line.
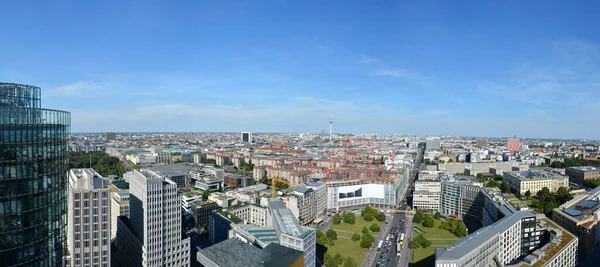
33 178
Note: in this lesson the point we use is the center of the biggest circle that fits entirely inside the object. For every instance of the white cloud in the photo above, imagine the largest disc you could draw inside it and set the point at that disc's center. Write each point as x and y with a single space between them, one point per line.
73 89
396 73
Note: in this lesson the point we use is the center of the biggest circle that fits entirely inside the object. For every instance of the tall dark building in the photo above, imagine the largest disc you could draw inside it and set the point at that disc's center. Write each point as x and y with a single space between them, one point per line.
111 136
33 178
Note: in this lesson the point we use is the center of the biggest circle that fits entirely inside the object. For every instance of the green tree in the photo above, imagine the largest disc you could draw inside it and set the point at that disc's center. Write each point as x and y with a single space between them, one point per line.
428 222
365 230
419 217
322 239
368 217
349 218
437 215
350 262
366 241
331 234
414 245
461 230
366 210
337 219
380 216
327 258
374 227
562 191
527 193
355 237
544 193
338 258
505 188
205 195
426 243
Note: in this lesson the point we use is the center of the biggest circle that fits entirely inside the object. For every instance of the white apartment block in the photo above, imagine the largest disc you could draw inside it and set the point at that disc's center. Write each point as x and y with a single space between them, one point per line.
427 195
88 222
534 180
253 214
153 236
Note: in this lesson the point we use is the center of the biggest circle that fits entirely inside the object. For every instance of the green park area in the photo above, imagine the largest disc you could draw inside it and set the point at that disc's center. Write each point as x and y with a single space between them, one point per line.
432 232
348 240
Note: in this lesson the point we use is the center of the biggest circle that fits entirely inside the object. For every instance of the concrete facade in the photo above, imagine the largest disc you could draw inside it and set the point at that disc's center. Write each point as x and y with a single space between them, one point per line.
154 227
88 228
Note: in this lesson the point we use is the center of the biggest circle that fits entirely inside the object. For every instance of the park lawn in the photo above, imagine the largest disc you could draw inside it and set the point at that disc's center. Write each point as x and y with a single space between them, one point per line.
423 257
347 247
359 223
435 231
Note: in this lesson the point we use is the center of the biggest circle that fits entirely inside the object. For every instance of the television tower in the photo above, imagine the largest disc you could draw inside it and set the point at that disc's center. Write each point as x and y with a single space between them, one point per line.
330 128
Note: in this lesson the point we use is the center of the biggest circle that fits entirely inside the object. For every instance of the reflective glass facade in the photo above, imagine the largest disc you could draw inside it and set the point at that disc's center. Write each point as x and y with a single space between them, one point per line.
33 178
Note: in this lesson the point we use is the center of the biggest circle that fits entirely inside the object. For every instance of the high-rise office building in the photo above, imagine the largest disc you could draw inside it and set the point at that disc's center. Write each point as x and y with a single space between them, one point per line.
433 143
153 235
246 137
111 136
33 178
513 144
88 231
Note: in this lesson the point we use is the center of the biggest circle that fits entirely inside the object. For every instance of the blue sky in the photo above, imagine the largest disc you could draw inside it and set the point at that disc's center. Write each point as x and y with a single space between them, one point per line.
477 68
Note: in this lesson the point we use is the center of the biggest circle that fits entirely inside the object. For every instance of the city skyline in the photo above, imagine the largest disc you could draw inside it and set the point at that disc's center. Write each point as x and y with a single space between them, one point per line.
474 69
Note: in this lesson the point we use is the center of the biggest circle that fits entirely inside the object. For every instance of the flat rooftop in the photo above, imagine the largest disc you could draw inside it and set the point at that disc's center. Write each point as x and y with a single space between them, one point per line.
586 168
581 210
474 240
233 252
536 175
285 218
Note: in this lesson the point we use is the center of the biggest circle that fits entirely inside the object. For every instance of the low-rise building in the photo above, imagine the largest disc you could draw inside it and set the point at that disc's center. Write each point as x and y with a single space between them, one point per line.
579 174
580 216
234 252
200 210
222 199
252 213
534 180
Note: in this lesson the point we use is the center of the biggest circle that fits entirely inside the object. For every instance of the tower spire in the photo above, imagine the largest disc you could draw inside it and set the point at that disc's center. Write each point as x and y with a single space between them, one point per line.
330 128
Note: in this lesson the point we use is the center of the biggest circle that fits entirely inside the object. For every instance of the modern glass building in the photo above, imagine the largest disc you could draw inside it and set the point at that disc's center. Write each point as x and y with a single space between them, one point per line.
33 178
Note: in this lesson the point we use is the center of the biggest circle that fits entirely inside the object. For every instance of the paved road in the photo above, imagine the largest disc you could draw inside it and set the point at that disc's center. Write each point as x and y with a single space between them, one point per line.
407 225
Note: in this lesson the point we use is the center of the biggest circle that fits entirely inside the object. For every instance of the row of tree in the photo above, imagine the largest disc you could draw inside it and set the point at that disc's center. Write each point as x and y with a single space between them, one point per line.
456 227
547 201
369 214
574 162
348 218
101 162
419 242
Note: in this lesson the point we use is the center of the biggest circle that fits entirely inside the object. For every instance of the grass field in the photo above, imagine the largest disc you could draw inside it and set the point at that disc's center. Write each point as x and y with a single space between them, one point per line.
423 257
435 231
347 247
359 223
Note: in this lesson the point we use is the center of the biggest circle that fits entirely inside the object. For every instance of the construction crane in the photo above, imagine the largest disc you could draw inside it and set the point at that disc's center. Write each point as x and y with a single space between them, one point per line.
273 181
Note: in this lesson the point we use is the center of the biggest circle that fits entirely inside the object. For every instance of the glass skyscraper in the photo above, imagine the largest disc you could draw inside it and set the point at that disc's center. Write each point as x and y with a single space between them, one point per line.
33 178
